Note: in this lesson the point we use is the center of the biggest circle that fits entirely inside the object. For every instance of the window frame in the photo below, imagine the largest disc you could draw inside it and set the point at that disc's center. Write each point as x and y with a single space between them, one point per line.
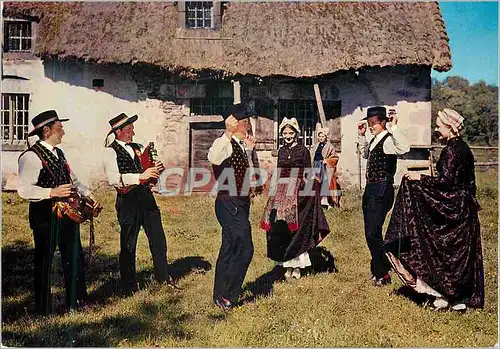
12 21
307 135
216 18
12 127
202 10
210 103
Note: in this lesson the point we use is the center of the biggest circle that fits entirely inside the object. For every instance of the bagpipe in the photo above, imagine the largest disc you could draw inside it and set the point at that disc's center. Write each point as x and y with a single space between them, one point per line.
148 159
79 208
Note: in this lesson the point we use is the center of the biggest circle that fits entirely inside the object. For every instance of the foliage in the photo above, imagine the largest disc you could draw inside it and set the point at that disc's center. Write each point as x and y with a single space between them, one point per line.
477 103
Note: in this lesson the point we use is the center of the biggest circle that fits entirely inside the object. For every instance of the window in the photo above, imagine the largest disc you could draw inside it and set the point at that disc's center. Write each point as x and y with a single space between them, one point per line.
17 36
199 14
98 83
210 106
15 114
306 113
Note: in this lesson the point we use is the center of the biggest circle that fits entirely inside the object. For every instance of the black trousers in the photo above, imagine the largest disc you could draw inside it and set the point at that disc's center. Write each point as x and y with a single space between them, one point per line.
378 199
66 234
135 209
236 250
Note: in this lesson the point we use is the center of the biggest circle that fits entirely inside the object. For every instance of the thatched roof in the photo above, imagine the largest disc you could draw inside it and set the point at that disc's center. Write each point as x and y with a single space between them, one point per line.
263 39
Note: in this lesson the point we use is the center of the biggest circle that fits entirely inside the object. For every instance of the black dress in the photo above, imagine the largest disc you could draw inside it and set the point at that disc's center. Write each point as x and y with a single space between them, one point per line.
434 230
288 239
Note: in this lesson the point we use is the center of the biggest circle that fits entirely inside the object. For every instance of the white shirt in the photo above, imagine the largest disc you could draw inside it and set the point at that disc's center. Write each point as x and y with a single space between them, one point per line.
395 144
29 170
221 149
110 165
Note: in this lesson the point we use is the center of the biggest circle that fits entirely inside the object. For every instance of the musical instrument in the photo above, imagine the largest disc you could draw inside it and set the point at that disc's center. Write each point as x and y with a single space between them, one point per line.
77 207
148 159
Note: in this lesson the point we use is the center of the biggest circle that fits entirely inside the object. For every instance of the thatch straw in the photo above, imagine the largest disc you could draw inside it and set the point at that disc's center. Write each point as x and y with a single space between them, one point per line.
264 39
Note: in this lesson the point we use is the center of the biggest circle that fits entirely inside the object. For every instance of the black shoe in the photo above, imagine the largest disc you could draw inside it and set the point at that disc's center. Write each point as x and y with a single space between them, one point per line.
385 280
224 304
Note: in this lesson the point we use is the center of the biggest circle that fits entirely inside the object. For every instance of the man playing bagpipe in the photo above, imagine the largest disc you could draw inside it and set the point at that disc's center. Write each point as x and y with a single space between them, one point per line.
135 203
46 179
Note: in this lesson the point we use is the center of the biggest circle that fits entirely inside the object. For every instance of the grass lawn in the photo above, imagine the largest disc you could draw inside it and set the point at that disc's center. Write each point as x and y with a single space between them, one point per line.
319 310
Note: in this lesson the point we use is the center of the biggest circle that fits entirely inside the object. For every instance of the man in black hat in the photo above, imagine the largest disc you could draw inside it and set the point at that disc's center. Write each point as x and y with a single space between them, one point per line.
44 176
135 203
378 197
229 156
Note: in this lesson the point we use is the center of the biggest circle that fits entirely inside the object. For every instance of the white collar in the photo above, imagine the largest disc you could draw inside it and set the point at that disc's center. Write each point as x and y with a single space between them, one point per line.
47 145
237 139
381 135
122 143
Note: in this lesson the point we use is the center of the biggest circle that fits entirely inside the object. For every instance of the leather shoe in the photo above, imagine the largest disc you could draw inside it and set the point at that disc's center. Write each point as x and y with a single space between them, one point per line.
385 280
224 304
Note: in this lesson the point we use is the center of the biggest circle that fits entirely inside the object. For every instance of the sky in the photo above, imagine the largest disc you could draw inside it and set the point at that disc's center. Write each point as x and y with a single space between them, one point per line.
472 28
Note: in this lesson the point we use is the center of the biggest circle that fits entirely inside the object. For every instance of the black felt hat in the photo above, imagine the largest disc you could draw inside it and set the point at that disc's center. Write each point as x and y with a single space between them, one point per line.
43 119
380 111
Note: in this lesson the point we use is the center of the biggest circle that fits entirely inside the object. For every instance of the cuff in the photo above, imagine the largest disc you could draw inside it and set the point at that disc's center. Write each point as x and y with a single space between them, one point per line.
130 178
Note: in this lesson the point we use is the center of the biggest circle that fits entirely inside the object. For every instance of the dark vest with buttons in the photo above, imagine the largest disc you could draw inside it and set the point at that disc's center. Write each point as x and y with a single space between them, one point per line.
238 161
381 166
40 211
140 194
125 163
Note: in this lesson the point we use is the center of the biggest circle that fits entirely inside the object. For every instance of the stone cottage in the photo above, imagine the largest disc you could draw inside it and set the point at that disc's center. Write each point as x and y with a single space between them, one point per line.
173 64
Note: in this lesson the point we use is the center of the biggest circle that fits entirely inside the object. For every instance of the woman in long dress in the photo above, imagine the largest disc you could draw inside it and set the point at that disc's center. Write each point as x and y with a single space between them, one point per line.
433 240
325 159
294 222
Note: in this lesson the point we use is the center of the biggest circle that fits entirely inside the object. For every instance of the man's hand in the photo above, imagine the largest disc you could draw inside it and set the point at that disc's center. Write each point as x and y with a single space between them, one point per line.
231 124
159 166
97 207
62 191
362 129
393 118
151 172
250 142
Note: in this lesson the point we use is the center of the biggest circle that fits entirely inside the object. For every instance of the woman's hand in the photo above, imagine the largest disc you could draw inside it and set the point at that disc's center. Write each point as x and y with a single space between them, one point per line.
413 176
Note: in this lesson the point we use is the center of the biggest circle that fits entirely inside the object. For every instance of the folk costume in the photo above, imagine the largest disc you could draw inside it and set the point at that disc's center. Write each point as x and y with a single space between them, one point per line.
378 196
326 159
41 168
135 206
230 160
433 240
294 223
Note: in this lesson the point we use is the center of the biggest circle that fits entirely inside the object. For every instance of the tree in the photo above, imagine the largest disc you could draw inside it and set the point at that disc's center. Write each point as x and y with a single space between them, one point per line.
477 103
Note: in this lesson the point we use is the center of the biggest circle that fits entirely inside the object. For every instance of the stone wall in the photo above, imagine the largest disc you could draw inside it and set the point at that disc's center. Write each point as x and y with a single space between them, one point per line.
164 114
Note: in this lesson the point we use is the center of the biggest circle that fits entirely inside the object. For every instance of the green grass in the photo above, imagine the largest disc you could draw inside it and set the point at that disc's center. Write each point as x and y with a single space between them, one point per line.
323 309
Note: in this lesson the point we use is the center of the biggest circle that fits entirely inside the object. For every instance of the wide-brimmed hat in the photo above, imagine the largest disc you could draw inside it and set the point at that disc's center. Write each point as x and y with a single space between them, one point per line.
451 118
289 122
380 111
240 111
119 122
43 119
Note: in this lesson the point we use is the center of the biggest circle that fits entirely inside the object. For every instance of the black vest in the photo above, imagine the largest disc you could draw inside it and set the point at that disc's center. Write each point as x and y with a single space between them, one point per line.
141 194
125 163
381 166
59 173
238 161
